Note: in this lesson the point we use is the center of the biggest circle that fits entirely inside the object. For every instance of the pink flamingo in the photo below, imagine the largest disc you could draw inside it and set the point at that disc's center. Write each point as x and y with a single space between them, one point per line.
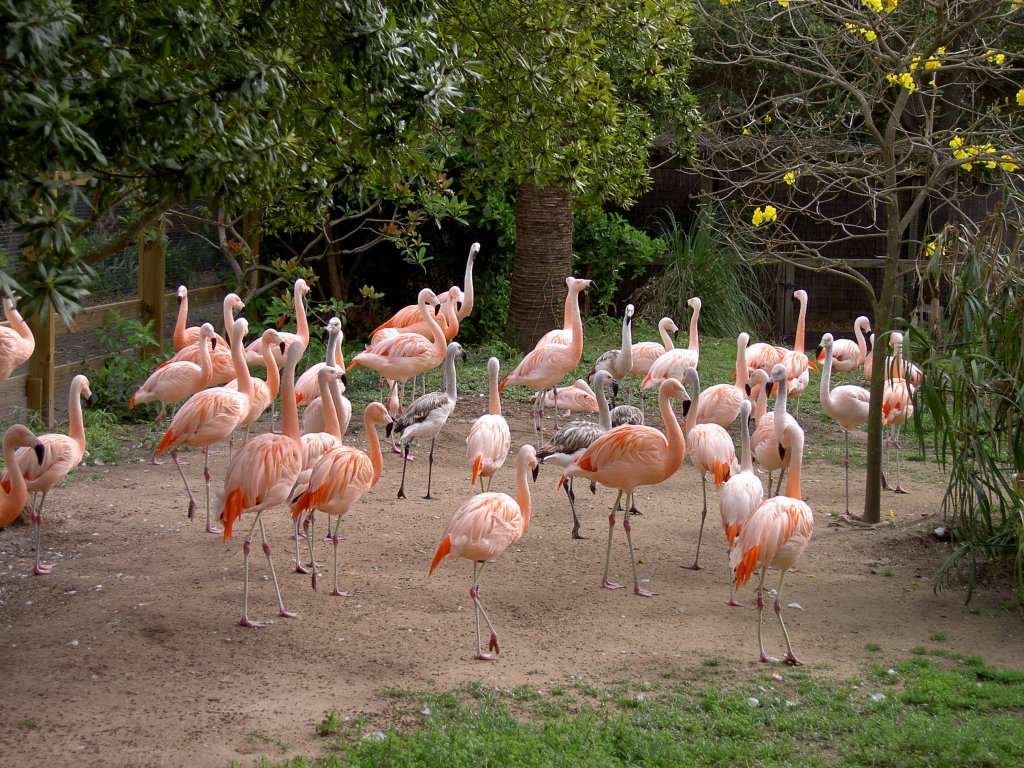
254 352
578 397
848 354
208 417
447 318
741 493
570 441
307 387
710 450
341 477
15 493
847 404
184 334
404 355
263 392
563 335
220 356
179 380
62 453
720 403
796 360
16 342
897 407
314 414
672 363
644 353
489 439
260 476
629 457
901 367
765 443
775 535
482 528
548 363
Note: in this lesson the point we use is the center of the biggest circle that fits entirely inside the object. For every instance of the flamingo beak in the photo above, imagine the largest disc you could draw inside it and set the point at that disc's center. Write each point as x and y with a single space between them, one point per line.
615 388
344 380
812 365
213 344
283 347
40 450
746 388
536 471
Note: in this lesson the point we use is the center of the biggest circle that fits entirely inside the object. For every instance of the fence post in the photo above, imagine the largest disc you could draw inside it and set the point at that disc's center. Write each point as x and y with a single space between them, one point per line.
39 389
152 267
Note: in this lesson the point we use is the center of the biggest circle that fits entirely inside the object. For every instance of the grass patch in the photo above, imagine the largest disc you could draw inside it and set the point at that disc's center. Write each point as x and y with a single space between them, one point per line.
944 710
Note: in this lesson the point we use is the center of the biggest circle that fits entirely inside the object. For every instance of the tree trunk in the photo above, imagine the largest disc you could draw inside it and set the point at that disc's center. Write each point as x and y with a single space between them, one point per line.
543 260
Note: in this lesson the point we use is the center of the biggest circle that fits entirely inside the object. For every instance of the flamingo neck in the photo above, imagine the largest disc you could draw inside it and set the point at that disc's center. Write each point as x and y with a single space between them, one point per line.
181 322
570 302
825 392
241 368
666 339
301 323
493 398
604 416
205 360
862 344
373 444
576 345
796 446
746 460
15 499
451 319
694 344
467 289
440 342
674 433
801 322
781 416
289 408
273 372
227 316
742 374
691 416
523 490
450 388
76 426
625 361
331 424
16 320
761 404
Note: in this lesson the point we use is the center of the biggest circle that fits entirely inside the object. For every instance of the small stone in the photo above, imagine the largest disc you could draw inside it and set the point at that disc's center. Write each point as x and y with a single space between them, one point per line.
753 702
877 697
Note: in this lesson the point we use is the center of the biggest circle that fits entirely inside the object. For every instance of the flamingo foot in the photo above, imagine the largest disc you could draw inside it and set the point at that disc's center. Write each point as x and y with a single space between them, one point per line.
610 584
481 656
42 569
640 592
338 593
430 497
898 489
766 659
247 622
300 568
732 603
401 493
792 660
694 567
157 462
576 534
287 614
191 509
214 529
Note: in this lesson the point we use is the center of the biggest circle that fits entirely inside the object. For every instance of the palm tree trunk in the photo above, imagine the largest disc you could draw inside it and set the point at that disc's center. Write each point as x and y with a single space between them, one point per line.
543 261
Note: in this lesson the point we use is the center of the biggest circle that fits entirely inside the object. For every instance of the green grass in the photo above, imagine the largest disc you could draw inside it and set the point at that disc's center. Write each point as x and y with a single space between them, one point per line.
939 711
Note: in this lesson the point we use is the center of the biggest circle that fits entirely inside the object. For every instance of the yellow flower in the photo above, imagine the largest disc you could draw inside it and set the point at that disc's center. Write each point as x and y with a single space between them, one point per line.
904 79
933 60
869 34
767 119
784 3
790 177
995 58
1008 165
874 5
1020 97
956 142
929 248
763 216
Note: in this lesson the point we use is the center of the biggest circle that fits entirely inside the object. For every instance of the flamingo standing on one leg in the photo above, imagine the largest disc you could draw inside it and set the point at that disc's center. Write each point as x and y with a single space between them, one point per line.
14 495
220 355
847 404
482 528
775 535
210 416
427 415
62 453
710 450
741 493
489 439
16 342
341 477
179 380
260 476
548 363
720 403
672 363
570 441
629 457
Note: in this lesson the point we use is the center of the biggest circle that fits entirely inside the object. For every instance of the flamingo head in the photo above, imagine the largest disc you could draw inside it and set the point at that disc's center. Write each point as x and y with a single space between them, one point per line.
182 293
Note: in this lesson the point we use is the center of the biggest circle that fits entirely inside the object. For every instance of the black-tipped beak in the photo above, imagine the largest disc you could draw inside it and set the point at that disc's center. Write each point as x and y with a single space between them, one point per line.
769 387
536 471
818 353
213 344
686 407
344 380
40 450
90 400
389 429
615 388
437 308
629 321
464 356
746 388
180 298
283 347
458 306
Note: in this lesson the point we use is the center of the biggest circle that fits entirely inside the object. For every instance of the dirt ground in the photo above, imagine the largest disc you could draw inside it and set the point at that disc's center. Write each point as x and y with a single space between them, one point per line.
130 652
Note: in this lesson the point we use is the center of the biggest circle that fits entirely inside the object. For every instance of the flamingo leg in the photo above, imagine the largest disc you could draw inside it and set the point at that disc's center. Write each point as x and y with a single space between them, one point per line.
270 561
846 461
474 592
405 455
430 467
628 527
210 528
703 514
335 538
572 505
188 488
732 601
790 658
299 567
40 568
898 488
608 550
778 486
760 613
246 547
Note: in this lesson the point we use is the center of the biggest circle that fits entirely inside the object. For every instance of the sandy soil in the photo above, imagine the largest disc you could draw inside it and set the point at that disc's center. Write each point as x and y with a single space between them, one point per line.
130 652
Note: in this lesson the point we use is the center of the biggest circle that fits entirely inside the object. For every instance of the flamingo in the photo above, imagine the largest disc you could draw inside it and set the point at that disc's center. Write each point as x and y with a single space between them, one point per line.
307 387
14 495
673 362
618 362
720 403
847 404
570 441
254 352
626 414
900 366
578 397
427 415
220 356
62 453
897 407
764 443
631 456
489 439
548 363
314 414
179 380
208 417
341 477
775 535
741 493
404 355
710 450
260 476
563 335
482 528
763 356
848 354
184 334
263 392
644 353
796 360
16 342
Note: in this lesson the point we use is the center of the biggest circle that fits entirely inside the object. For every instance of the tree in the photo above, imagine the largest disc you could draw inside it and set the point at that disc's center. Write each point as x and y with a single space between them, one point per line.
287 108
565 105
879 121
